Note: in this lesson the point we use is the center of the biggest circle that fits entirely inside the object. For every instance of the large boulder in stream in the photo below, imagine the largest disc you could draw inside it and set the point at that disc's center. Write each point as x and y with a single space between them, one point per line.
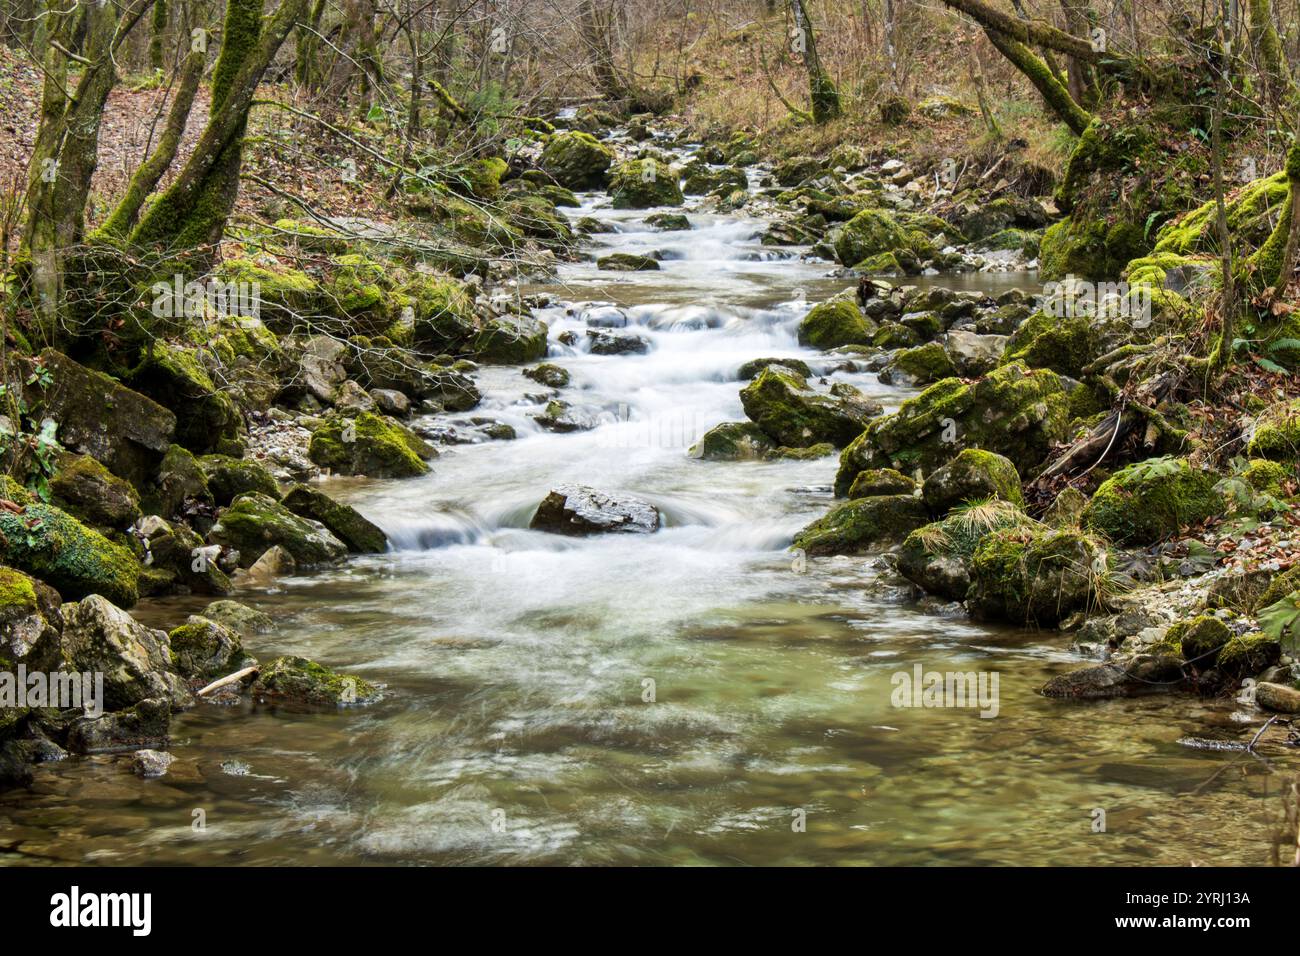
579 510
1035 576
644 183
791 413
834 323
135 660
577 160
256 523
1014 411
351 527
373 445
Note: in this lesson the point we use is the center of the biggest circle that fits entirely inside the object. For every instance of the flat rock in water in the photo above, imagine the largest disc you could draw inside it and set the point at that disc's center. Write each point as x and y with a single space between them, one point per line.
579 510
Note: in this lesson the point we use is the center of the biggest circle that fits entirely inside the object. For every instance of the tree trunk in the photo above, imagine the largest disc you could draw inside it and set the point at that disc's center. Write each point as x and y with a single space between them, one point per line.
149 173
66 151
821 88
158 30
192 213
595 33
1037 72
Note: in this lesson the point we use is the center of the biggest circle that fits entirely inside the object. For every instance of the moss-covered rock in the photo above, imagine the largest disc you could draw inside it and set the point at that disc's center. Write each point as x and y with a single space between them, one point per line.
125 431
285 297
30 622
228 478
871 232
177 561
247 621
1065 344
370 444
346 523
577 160
1150 500
1199 640
135 660
87 490
829 325
548 374
881 481
297 680
921 365
1247 655
644 183
1119 185
1013 411
1032 576
207 419
255 523
182 484
627 262
937 557
791 413
204 648
1275 433
863 524
973 475
50 544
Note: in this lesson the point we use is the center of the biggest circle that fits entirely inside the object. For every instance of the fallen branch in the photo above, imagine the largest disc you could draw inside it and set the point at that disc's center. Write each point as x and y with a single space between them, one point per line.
227 680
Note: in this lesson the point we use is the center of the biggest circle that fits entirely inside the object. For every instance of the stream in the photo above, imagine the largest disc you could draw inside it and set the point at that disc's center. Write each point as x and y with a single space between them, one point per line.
691 697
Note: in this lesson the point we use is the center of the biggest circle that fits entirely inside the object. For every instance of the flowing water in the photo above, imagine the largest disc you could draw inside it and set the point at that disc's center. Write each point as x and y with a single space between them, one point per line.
691 697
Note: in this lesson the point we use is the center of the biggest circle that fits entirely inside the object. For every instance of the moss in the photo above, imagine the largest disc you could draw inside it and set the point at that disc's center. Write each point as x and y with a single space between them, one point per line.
643 183
362 295
1267 477
206 649
1151 500
1251 213
1065 345
831 324
895 335
380 447
228 478
870 233
1014 411
1281 586
1276 434
344 521
86 489
50 544
924 364
780 402
881 481
255 523
285 296
1035 576
1199 640
733 441
1120 183
182 483
974 475
298 680
1249 654
937 557
862 524
207 419
577 160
